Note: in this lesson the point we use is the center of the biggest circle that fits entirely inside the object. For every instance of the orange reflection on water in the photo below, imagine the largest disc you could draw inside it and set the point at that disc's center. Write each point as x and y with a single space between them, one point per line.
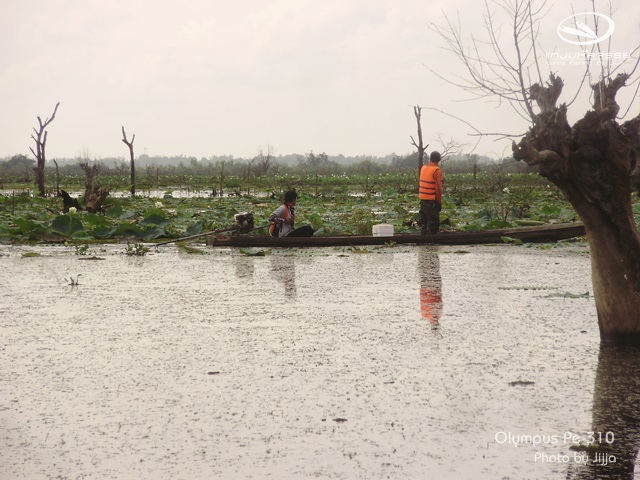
430 285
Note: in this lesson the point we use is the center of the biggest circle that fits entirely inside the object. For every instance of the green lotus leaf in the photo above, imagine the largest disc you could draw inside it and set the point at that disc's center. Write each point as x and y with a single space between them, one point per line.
152 233
104 232
93 220
154 219
66 225
28 227
194 229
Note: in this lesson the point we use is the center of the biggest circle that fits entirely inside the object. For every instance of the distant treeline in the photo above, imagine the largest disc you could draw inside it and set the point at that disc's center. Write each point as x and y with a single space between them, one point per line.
20 167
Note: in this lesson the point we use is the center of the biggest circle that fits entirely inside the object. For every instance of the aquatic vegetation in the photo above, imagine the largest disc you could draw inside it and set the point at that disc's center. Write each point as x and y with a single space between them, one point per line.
81 249
136 250
335 207
73 282
570 295
254 253
514 241
528 288
183 247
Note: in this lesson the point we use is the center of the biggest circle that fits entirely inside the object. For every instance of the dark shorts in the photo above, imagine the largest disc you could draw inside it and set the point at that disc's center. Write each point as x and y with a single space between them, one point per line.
429 217
305 231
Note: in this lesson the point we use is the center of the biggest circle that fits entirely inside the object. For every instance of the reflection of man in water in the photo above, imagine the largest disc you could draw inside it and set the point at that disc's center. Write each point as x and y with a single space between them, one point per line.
284 269
430 285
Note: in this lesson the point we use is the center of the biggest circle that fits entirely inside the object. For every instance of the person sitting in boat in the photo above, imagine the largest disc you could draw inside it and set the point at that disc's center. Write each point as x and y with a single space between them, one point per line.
283 219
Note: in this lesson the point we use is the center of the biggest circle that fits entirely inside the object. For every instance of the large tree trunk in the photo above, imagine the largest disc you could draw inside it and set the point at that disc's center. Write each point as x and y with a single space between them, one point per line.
39 175
592 163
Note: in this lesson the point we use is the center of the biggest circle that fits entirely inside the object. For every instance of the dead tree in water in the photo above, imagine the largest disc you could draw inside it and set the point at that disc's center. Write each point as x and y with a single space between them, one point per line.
133 166
94 193
593 162
39 153
417 111
57 177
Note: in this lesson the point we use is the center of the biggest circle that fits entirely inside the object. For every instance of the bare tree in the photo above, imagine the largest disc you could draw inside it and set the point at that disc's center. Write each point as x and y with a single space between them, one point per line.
39 153
57 177
417 111
448 147
264 160
593 162
133 165
222 178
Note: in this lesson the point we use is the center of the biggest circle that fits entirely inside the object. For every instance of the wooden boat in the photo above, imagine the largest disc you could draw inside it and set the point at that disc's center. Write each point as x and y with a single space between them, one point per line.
542 233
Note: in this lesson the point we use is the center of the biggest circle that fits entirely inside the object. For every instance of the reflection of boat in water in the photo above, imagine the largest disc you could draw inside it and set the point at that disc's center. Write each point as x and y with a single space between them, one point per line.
612 448
542 233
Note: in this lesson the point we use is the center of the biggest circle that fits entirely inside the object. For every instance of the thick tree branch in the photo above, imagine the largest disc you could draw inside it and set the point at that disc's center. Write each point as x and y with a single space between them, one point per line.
604 95
547 97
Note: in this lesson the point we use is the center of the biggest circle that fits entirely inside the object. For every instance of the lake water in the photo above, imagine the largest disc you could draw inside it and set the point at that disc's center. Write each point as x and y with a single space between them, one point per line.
402 363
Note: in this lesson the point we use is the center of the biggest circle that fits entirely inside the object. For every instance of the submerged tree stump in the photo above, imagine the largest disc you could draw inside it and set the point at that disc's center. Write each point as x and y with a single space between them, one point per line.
68 202
94 193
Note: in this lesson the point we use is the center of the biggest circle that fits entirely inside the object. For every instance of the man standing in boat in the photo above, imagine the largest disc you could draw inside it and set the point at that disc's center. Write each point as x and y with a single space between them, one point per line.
430 194
283 219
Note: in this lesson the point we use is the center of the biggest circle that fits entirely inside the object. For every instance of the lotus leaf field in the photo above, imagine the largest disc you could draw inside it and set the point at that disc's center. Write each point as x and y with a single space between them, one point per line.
331 205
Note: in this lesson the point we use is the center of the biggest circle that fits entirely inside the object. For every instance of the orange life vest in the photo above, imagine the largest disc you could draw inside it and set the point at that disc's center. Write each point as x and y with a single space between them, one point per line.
274 231
428 186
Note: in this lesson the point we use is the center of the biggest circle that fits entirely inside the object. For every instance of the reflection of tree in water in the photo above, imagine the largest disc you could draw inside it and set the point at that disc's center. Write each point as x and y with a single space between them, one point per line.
430 285
616 410
284 269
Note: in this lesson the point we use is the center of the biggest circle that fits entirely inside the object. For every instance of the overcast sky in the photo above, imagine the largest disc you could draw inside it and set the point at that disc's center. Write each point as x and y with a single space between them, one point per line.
210 77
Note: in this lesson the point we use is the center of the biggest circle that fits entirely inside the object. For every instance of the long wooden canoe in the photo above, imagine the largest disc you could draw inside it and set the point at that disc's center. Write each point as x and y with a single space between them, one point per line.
543 233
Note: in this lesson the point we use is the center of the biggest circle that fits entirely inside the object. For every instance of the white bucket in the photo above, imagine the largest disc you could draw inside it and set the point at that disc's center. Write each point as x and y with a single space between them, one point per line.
383 230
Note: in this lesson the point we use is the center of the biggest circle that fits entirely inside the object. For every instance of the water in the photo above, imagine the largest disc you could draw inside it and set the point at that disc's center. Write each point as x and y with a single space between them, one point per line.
404 362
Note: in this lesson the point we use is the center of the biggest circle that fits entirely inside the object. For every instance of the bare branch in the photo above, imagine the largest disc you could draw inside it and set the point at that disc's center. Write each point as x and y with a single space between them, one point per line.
500 76
534 34
124 138
53 115
448 147
463 121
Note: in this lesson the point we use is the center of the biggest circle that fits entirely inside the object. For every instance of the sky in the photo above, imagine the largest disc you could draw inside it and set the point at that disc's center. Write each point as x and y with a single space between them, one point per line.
210 77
